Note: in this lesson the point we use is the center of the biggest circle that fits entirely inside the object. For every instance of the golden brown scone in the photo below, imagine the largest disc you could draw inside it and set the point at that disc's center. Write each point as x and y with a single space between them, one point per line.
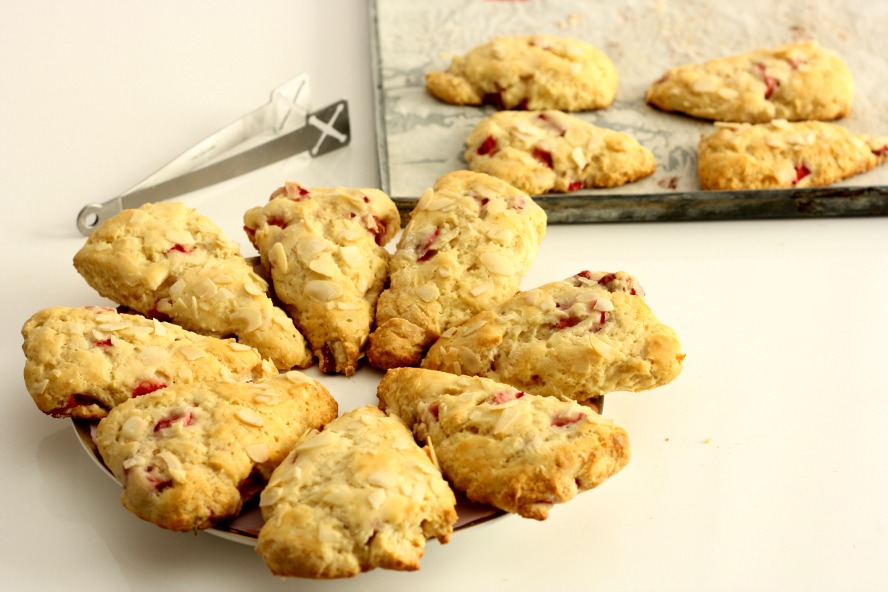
541 152
530 72
189 456
784 155
82 362
796 81
164 260
469 241
519 452
579 338
323 249
358 495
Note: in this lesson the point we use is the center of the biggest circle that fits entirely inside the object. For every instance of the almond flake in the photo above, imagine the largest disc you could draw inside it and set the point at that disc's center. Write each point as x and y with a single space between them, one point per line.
133 427
419 491
319 440
376 497
239 347
352 256
450 332
601 348
174 466
250 318
180 237
159 328
270 496
506 419
114 326
324 265
40 387
253 290
297 377
603 305
257 452
441 203
323 290
579 157
727 93
498 264
428 292
385 479
481 289
250 417
277 257
349 305
192 353
204 288
99 247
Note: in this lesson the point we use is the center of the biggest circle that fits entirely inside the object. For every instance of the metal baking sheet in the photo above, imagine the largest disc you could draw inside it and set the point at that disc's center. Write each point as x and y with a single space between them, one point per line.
421 138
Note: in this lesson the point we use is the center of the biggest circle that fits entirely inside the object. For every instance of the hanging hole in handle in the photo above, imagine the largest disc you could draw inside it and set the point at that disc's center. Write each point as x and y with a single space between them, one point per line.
88 218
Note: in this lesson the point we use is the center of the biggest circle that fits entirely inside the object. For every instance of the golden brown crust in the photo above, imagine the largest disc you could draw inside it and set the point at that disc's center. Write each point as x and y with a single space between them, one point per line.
165 260
529 72
580 338
796 82
189 456
82 362
469 241
358 495
323 248
519 452
784 155
542 152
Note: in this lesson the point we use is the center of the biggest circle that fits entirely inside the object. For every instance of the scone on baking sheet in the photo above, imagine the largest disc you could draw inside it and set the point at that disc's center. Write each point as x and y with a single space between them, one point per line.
356 496
469 241
189 456
323 249
542 152
579 338
780 154
797 81
529 72
520 452
82 362
165 260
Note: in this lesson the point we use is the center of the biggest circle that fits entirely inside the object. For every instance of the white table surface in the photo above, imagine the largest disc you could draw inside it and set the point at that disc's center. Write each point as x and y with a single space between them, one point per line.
762 467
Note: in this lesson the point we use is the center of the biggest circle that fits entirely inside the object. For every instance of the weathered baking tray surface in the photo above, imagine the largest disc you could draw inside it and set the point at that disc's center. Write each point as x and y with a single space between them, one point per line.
421 138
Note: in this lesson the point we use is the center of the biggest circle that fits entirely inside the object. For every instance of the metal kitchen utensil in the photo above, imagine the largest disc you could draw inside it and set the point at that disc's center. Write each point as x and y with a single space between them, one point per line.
281 128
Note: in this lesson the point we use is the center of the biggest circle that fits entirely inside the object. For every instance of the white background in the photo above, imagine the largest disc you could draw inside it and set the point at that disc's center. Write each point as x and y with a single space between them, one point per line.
762 467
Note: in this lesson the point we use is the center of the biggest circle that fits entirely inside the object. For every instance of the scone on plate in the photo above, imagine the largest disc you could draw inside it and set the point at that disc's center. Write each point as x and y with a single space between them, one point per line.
356 496
542 152
189 456
164 260
469 241
323 249
579 338
82 362
529 72
797 82
520 452
784 155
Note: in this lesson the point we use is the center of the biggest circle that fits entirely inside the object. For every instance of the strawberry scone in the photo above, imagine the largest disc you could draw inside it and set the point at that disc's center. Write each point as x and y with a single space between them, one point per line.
323 249
164 260
781 154
469 241
189 456
797 81
542 152
529 72
82 362
520 452
579 338
358 495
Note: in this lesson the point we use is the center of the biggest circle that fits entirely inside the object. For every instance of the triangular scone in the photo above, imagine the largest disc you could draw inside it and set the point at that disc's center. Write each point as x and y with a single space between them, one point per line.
579 338
553 151
469 241
82 362
358 495
530 72
797 81
784 155
164 260
190 455
519 452
323 249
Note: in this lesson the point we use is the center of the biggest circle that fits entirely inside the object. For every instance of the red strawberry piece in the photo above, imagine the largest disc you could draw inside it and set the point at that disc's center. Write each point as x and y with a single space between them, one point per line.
566 419
153 313
504 397
495 99
488 146
881 151
606 279
276 221
148 386
576 185
425 251
290 191
103 343
156 481
186 418
567 322
544 156
434 409
73 401
251 234
771 83
376 227
801 171
561 131
179 249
